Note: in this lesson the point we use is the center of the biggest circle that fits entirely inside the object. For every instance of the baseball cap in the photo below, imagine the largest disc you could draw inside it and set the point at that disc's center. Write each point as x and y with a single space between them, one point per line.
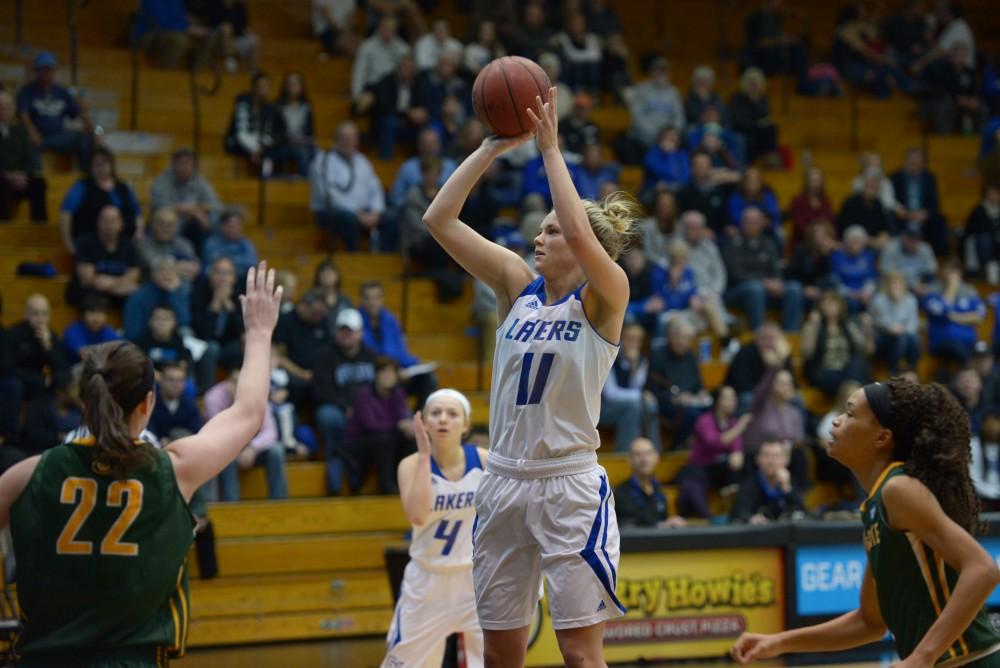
45 59
349 318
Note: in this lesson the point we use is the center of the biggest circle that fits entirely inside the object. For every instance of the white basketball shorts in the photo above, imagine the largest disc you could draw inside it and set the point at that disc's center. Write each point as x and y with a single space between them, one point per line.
562 527
431 607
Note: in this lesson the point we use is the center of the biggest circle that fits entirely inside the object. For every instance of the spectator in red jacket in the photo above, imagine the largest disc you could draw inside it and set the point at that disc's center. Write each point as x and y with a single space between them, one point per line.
810 205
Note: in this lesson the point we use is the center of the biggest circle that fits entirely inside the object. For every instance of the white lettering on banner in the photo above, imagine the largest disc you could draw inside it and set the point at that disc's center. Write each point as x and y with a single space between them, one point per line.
832 575
678 629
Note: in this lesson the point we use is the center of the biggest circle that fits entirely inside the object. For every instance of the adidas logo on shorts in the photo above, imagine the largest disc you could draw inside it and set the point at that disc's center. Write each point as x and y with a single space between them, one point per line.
601 606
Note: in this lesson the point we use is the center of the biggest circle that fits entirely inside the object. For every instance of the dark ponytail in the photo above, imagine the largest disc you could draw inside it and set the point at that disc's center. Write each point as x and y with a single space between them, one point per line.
116 378
934 445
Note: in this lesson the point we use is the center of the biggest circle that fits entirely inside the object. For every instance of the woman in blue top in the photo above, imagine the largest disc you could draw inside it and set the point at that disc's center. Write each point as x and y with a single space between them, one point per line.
953 313
99 188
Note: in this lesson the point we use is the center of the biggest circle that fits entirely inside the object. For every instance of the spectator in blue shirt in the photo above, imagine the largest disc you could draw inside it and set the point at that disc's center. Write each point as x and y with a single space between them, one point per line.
855 268
44 107
161 28
165 288
229 242
87 197
384 336
594 174
953 313
666 164
533 177
409 176
753 192
91 329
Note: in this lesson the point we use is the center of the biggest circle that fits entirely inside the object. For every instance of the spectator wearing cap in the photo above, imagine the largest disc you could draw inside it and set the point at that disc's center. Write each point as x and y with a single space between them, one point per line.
384 335
44 107
578 129
581 53
916 191
88 196
299 336
184 189
910 255
91 329
854 269
229 241
896 319
429 46
341 368
954 311
654 104
18 174
346 194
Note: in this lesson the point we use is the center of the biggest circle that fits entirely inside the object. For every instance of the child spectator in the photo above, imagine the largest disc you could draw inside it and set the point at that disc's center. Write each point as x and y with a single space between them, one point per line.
264 448
164 288
666 164
161 341
716 458
299 146
894 314
833 347
640 501
380 430
90 330
296 438
625 404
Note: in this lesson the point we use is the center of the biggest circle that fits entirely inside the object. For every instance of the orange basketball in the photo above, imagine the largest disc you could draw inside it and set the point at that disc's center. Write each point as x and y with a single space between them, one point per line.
503 92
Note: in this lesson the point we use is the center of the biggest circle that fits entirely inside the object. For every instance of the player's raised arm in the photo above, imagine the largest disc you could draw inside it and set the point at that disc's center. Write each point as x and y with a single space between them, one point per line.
199 458
502 270
607 280
852 629
414 476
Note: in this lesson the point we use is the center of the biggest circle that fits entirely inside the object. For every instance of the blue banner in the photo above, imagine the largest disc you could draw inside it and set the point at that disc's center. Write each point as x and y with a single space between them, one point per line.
828 577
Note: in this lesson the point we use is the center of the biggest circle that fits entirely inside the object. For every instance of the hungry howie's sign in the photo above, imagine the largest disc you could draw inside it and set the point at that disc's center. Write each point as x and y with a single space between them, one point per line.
683 604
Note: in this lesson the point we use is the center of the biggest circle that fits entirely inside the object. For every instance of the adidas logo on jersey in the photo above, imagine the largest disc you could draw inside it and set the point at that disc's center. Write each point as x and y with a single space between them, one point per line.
601 606
534 305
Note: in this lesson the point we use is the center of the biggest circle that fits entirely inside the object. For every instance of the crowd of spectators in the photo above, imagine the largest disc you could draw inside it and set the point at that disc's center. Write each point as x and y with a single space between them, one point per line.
832 292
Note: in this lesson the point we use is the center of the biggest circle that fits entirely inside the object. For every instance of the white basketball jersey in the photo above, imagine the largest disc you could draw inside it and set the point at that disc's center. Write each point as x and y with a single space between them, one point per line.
548 371
444 542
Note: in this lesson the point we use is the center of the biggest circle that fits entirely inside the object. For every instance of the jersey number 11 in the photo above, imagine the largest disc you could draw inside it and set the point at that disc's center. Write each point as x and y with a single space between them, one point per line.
544 366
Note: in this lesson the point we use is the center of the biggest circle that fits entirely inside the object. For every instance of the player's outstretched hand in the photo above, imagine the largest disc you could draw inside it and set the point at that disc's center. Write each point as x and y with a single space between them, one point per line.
546 121
420 434
750 647
262 300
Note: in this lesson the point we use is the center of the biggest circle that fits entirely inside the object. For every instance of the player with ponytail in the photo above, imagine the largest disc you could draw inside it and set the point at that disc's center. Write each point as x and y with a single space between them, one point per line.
544 506
927 579
101 525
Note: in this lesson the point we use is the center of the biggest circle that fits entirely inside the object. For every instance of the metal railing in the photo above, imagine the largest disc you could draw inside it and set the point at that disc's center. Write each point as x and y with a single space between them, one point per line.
18 23
71 8
197 92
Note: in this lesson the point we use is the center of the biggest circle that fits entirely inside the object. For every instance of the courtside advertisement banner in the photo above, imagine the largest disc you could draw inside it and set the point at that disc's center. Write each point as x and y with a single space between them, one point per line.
684 604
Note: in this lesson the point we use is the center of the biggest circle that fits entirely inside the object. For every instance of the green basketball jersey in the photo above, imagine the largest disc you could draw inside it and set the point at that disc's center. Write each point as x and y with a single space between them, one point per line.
101 563
914 584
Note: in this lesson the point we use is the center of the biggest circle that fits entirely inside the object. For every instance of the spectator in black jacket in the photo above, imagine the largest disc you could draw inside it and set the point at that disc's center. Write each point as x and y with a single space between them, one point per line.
175 414
640 501
106 262
703 193
748 367
36 350
981 237
750 116
865 209
675 381
300 335
342 367
917 193
394 118
810 261
10 389
217 319
753 264
256 129
769 45
162 342
49 418
436 84
18 177
768 494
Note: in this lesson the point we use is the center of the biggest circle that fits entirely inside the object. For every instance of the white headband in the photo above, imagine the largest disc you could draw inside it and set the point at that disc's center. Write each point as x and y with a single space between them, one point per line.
451 394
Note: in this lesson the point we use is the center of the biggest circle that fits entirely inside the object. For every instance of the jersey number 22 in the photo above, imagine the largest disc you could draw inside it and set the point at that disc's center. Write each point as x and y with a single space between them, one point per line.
83 491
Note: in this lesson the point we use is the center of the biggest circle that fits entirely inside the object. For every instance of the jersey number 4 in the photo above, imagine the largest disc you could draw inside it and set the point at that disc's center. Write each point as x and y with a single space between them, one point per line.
82 492
544 366
442 533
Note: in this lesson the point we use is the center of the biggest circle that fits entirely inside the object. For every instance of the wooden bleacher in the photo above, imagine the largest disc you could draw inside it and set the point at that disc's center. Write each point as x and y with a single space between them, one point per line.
311 567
